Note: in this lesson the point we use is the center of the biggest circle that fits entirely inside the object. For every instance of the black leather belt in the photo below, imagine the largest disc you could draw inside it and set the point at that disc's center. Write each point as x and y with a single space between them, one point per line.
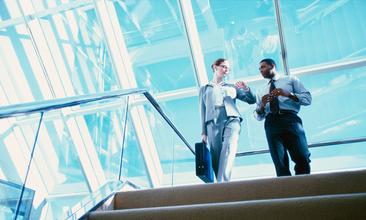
284 112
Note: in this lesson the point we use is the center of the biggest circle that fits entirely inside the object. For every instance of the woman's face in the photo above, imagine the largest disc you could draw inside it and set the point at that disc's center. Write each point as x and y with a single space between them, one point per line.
223 69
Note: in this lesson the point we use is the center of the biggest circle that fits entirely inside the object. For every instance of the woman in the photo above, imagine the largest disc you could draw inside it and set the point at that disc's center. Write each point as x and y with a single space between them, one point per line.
221 119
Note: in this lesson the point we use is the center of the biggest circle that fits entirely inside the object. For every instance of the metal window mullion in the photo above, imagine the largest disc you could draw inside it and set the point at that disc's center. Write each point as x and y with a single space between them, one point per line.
36 49
193 39
120 65
282 36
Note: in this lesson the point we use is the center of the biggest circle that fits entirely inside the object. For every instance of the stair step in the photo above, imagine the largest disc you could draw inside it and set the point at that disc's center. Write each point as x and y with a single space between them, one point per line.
283 187
341 206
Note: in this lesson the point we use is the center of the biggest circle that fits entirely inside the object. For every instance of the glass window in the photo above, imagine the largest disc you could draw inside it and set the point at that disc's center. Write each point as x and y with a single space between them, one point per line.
79 57
9 9
16 145
157 44
323 31
337 112
22 79
68 57
244 32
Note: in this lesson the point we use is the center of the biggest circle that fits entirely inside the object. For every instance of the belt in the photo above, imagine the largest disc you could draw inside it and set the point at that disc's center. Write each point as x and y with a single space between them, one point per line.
284 112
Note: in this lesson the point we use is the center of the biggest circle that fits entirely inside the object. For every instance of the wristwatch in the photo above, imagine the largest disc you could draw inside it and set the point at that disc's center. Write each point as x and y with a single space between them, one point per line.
293 97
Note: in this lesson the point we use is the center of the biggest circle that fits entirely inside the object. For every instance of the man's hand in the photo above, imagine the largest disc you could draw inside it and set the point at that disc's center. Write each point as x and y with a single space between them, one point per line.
241 85
266 98
279 92
204 138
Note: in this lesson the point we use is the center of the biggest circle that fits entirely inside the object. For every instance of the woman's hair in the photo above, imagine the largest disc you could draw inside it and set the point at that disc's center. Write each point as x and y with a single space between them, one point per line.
217 63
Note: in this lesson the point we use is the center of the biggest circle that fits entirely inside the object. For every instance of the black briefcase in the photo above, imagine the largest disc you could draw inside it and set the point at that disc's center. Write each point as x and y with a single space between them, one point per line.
203 163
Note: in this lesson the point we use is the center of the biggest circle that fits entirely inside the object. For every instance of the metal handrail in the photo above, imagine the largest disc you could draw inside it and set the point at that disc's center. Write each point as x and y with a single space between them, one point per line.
264 151
157 107
48 105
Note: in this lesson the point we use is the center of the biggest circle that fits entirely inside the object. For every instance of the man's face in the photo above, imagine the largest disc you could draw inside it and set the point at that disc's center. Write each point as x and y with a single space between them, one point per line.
266 70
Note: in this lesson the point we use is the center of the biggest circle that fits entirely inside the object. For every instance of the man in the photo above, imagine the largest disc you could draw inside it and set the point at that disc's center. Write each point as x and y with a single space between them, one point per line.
279 103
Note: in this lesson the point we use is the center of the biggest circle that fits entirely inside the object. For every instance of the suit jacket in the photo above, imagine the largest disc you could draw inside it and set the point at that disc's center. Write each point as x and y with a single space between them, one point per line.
207 107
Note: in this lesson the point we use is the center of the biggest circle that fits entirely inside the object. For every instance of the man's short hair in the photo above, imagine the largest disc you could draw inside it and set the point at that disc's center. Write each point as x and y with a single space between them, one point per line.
269 61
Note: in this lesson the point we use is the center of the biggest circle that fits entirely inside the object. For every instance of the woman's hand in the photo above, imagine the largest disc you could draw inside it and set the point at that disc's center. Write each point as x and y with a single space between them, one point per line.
204 138
241 85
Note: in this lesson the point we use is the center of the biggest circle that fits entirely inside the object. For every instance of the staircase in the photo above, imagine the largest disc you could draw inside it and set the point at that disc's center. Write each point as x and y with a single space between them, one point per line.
339 195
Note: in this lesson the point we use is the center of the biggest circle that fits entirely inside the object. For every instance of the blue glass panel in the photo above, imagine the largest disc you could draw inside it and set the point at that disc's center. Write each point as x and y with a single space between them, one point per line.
323 31
16 144
157 44
20 70
323 159
179 159
133 166
185 116
7 10
79 50
162 134
173 152
337 112
106 128
244 32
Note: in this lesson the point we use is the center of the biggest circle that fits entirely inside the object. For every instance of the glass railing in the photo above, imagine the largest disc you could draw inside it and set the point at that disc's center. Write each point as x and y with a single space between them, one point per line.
61 158
169 147
9 199
72 153
326 156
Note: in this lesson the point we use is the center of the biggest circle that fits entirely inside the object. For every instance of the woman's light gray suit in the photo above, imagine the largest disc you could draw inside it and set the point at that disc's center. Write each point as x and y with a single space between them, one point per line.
221 124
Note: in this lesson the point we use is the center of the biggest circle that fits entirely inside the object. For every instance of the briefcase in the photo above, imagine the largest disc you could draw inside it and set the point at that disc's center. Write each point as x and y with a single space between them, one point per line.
203 163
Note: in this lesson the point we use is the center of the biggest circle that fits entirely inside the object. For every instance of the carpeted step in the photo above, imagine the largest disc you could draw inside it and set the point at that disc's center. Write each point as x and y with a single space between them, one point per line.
340 206
283 187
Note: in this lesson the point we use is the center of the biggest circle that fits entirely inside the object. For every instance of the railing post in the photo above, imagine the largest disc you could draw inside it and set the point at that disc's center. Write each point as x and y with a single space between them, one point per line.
28 168
123 138
282 36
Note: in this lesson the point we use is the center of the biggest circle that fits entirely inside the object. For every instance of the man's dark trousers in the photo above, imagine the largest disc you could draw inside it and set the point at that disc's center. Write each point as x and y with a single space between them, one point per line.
285 133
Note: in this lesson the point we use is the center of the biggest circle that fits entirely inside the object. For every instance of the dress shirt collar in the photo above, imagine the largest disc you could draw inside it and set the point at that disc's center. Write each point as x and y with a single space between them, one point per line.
274 78
211 83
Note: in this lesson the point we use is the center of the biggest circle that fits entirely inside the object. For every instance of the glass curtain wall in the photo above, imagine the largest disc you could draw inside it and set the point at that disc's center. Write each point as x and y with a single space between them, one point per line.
54 49
317 34
48 50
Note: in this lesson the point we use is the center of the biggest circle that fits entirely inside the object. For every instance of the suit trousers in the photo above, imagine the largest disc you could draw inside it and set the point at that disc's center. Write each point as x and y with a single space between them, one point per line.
223 134
285 133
